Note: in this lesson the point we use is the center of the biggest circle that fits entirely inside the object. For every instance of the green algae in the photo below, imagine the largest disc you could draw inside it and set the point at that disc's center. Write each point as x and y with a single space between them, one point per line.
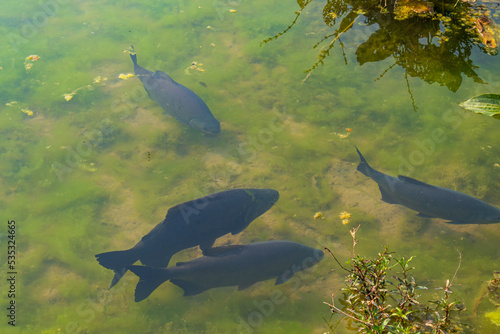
494 316
148 162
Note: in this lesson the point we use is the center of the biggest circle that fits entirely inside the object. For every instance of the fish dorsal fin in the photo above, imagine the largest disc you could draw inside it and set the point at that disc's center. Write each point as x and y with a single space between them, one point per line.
413 181
222 250
182 211
159 75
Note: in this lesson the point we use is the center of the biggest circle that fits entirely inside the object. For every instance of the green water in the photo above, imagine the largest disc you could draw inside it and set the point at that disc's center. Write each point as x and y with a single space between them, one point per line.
97 172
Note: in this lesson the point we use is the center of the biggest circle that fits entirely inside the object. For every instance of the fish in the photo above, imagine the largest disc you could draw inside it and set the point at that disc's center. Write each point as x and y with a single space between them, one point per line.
178 101
194 223
431 201
232 265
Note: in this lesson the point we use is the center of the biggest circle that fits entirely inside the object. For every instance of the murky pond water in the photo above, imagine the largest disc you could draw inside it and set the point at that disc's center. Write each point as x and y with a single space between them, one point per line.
90 164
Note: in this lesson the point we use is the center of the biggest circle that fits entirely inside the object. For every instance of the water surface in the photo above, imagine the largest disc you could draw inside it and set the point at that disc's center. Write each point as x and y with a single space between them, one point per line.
94 171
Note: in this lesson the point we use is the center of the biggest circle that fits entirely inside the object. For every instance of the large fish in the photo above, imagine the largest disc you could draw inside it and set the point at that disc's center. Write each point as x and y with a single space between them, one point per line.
235 265
177 100
431 201
197 222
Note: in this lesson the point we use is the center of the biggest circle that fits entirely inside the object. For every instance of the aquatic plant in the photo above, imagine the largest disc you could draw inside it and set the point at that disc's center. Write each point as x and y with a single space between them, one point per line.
366 298
491 291
486 104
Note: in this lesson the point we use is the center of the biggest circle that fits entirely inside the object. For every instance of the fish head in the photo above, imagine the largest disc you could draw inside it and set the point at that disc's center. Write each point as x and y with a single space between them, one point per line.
307 257
488 214
488 220
210 126
315 255
261 201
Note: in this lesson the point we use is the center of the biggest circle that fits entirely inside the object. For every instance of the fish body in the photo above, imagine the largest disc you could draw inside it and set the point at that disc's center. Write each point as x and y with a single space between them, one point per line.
177 100
195 223
235 265
431 201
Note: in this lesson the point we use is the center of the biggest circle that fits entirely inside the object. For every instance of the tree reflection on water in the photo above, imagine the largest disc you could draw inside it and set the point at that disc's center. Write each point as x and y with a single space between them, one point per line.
431 41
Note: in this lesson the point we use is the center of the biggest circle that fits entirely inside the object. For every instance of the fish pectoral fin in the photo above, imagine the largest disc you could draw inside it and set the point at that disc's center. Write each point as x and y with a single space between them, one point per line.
457 222
414 181
283 278
190 288
204 245
245 286
222 250
196 123
387 197
423 215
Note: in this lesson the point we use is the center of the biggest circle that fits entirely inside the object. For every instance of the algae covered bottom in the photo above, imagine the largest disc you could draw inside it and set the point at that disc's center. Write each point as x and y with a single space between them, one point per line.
90 163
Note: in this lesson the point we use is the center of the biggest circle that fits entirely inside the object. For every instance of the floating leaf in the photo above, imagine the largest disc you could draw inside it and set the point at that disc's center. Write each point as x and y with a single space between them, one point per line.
486 104
319 215
125 76
27 112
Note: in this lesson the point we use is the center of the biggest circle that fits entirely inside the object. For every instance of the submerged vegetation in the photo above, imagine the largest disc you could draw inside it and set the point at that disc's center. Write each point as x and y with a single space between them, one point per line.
88 170
432 41
491 291
367 298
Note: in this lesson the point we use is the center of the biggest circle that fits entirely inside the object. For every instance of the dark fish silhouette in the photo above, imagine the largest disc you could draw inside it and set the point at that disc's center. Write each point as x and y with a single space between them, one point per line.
431 201
193 223
177 100
236 265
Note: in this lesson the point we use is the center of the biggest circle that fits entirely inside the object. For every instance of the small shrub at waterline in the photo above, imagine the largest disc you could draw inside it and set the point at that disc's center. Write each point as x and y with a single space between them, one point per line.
374 305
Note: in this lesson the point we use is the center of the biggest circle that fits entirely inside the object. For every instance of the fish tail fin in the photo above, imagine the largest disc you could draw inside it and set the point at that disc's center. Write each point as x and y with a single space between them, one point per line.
117 261
149 279
134 58
118 276
363 166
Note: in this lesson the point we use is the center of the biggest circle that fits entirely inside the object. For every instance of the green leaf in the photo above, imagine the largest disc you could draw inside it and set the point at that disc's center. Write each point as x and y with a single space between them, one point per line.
486 104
